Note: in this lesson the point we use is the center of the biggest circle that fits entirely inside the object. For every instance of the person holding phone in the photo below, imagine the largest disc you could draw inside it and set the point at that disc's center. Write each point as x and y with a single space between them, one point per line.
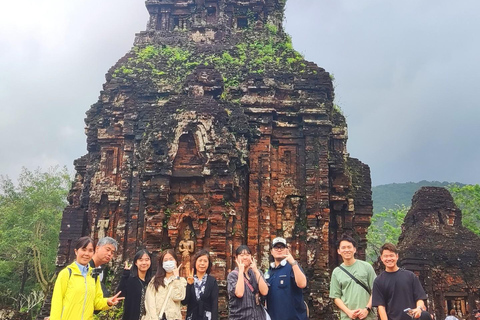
245 284
286 281
398 293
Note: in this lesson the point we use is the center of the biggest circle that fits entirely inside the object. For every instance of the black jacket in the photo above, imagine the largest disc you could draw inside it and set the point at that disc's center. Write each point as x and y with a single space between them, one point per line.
208 300
131 288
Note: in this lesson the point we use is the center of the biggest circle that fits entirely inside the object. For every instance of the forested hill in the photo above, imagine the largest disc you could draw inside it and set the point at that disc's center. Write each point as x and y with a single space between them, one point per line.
388 196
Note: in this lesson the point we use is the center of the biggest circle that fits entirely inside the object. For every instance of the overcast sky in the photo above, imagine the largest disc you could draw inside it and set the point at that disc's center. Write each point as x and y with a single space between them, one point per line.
407 77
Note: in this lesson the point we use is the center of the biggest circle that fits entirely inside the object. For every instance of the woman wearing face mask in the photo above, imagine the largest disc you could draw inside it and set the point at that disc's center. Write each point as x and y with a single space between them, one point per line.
202 289
166 290
76 293
245 284
134 284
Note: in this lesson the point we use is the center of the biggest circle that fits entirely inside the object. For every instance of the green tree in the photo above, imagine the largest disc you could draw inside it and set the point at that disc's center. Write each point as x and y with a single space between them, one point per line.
385 227
467 199
30 216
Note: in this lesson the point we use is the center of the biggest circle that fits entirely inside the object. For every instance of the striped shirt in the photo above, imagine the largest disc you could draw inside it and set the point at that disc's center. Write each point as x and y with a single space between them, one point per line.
244 308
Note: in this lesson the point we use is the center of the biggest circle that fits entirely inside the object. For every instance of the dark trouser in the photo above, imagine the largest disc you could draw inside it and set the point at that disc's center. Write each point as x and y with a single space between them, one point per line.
425 316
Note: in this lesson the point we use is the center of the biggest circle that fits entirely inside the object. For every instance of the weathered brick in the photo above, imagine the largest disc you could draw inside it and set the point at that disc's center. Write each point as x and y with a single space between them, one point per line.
200 129
444 254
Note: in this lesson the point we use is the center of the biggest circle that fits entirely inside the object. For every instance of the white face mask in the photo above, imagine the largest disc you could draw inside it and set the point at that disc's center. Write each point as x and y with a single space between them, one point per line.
169 266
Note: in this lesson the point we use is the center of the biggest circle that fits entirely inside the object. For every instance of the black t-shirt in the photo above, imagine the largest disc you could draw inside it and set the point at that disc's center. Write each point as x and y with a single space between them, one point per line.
397 291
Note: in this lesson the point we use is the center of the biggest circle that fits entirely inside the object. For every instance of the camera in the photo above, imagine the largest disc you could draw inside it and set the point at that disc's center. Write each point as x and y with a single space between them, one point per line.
96 272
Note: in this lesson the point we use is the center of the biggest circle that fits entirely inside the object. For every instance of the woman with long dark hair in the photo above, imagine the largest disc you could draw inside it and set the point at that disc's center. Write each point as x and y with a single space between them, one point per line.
202 289
166 290
134 283
76 293
245 285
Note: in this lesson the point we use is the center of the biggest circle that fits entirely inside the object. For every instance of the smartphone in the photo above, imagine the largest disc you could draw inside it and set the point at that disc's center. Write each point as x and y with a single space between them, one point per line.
409 312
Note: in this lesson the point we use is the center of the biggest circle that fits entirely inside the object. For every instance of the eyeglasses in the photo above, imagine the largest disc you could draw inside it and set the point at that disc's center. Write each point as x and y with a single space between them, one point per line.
279 248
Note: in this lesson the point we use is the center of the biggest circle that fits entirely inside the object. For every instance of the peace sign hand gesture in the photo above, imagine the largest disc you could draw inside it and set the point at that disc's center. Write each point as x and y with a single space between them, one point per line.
190 279
253 265
112 301
176 271
241 266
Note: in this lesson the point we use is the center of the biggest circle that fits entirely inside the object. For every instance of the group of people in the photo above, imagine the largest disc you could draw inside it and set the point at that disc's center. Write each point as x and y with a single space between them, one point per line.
397 293
277 295
252 295
78 288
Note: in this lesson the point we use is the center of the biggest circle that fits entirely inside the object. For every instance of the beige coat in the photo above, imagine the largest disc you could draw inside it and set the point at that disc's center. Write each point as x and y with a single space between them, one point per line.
154 300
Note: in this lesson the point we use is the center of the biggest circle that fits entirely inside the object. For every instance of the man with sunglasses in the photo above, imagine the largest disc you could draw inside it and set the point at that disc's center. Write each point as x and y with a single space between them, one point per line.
286 281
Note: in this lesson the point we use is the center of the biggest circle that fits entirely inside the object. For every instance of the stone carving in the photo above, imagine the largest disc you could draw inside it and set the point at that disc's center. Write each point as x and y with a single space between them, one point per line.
186 247
102 226
442 252
215 124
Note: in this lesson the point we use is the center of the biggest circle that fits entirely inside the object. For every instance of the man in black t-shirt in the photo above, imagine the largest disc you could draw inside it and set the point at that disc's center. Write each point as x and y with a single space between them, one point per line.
397 292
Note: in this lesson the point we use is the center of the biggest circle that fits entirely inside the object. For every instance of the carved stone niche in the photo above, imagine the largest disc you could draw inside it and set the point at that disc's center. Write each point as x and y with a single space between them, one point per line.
456 301
189 161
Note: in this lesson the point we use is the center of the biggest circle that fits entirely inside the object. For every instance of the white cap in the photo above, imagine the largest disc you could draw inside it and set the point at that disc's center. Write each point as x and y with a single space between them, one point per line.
279 240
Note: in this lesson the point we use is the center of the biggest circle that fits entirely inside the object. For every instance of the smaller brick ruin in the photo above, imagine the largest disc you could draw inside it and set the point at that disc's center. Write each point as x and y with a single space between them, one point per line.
444 254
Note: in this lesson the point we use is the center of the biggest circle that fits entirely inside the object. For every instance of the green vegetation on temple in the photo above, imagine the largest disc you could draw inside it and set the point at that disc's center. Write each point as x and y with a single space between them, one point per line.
266 52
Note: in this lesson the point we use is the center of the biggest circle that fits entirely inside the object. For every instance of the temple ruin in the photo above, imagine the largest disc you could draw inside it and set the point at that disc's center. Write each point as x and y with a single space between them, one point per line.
211 132
444 254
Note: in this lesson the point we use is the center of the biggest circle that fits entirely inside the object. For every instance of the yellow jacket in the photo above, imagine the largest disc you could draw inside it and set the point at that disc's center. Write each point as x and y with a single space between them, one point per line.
76 297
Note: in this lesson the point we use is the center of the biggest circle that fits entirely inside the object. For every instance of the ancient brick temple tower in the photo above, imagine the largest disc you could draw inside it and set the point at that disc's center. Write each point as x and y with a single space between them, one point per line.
444 254
213 132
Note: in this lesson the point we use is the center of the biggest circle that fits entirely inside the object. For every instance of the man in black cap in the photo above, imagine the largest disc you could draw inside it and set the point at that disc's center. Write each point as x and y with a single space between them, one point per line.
286 280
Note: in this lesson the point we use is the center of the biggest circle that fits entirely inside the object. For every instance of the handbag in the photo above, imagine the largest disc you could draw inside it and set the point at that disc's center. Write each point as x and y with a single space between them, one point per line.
160 317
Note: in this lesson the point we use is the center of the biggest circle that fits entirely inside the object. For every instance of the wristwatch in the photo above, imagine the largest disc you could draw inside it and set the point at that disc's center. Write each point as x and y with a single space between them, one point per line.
368 309
295 263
